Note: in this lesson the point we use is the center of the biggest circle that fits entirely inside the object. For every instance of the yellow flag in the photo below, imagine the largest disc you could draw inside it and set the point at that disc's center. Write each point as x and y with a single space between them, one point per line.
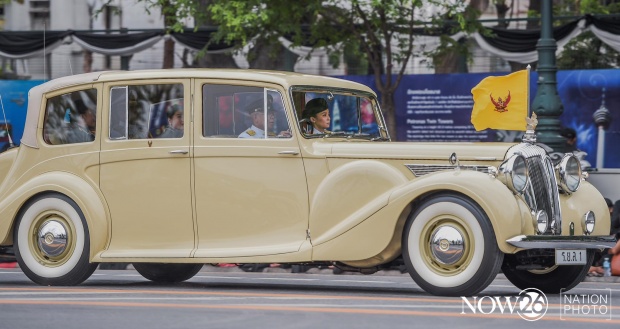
501 102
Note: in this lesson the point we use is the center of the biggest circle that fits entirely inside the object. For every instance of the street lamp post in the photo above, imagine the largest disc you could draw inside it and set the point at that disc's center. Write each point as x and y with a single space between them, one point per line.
547 104
602 119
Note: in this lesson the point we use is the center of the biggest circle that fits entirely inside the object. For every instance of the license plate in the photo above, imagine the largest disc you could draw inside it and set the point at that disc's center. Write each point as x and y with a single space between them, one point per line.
570 256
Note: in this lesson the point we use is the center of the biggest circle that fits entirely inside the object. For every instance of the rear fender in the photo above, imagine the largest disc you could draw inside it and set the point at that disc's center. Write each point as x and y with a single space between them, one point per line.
86 196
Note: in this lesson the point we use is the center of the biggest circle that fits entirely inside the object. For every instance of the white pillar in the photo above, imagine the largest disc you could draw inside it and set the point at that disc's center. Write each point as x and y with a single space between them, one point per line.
600 149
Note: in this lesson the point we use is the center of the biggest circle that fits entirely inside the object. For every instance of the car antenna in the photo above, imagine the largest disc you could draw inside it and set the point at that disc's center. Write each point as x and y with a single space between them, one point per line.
6 124
44 53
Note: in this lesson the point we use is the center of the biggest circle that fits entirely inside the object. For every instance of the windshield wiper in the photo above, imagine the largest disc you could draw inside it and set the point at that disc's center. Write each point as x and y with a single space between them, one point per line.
379 138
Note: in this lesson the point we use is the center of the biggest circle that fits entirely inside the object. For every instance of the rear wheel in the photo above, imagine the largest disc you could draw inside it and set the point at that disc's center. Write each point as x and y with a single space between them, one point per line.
52 243
167 273
550 280
449 247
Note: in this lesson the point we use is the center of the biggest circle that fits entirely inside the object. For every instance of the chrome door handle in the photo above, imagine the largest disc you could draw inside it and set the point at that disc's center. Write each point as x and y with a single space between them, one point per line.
179 152
289 152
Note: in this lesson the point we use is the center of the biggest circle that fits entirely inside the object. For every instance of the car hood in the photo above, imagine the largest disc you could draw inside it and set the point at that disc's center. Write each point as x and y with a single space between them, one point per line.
418 151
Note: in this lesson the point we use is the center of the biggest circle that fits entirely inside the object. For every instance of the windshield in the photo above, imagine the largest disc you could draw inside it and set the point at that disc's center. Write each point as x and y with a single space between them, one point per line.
338 113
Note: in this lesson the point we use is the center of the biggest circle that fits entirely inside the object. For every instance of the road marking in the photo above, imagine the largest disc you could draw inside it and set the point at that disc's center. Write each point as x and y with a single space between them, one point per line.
343 310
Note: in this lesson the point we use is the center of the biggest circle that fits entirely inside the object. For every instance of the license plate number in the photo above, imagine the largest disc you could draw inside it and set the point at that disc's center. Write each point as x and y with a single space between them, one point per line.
570 257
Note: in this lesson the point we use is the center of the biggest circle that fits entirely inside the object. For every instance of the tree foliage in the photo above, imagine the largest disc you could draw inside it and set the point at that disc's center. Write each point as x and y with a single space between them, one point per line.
586 51
381 31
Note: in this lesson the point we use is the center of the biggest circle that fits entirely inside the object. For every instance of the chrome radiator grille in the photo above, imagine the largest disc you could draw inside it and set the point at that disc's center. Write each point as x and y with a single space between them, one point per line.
542 192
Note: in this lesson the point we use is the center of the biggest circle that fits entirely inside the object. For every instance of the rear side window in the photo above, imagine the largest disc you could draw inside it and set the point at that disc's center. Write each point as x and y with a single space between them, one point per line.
146 111
71 118
232 111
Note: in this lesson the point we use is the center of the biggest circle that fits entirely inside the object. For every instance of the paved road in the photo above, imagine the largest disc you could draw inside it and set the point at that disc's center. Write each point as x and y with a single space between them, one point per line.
123 299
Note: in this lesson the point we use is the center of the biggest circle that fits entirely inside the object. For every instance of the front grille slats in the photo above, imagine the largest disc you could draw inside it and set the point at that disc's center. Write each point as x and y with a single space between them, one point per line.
542 193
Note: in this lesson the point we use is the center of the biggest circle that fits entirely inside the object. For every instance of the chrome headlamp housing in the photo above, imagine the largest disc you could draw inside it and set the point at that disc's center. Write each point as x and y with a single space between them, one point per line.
513 172
569 173
541 222
588 221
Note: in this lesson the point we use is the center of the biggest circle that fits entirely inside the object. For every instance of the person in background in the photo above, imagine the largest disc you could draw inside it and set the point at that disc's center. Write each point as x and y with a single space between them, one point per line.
596 268
571 139
615 220
316 117
83 130
175 122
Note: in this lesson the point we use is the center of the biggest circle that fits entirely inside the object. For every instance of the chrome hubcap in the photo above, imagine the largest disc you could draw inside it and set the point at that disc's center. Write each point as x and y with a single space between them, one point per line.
52 238
447 244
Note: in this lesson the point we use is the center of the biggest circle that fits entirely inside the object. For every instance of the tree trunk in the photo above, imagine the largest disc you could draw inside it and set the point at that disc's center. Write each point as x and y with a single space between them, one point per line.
87 66
168 54
534 6
271 57
502 9
389 111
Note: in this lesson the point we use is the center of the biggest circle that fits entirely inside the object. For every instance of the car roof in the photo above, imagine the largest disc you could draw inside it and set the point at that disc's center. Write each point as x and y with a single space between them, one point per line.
285 79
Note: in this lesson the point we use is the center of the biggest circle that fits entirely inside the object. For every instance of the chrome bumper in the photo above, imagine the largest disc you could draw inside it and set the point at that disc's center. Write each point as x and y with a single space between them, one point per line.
562 242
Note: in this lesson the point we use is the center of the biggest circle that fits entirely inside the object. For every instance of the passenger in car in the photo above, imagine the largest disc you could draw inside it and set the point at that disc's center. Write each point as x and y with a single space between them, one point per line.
257 114
316 117
175 122
83 130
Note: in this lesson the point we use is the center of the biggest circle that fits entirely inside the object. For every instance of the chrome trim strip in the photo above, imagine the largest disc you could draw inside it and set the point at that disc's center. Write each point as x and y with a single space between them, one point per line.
560 242
423 169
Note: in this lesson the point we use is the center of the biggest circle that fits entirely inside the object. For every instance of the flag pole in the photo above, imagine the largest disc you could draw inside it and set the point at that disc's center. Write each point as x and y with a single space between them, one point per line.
529 114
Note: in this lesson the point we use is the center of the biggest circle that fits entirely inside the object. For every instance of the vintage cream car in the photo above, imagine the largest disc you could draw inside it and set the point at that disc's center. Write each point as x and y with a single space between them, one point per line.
170 169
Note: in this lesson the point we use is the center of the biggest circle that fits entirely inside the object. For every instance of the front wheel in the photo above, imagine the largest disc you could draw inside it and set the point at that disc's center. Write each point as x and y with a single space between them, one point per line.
552 280
449 247
167 273
51 241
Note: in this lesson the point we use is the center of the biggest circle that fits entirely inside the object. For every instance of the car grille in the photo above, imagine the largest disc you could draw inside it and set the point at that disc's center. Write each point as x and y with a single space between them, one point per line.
542 192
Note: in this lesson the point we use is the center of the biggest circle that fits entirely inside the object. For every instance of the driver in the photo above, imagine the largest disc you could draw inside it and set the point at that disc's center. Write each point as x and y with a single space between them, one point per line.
316 115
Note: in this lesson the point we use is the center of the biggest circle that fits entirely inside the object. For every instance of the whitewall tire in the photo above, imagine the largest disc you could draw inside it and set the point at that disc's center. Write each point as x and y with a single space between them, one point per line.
52 242
449 246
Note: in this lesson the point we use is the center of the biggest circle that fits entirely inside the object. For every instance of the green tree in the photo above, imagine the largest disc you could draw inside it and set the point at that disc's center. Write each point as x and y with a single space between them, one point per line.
586 51
173 12
383 31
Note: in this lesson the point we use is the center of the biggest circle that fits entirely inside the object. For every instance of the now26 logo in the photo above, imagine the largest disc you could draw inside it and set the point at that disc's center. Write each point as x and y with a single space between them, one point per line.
531 304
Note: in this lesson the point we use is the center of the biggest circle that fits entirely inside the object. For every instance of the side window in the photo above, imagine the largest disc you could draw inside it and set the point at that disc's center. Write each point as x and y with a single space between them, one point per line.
146 111
71 118
231 111
322 113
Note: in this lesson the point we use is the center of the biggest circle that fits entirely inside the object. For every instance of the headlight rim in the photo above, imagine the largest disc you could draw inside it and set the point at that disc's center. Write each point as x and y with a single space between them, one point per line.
563 173
585 221
507 169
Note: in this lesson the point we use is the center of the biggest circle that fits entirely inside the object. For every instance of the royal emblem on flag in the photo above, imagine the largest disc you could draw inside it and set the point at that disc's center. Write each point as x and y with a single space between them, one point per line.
501 105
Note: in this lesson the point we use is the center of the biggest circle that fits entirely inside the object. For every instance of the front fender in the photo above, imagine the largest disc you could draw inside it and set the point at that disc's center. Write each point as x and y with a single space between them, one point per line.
507 213
86 196
348 195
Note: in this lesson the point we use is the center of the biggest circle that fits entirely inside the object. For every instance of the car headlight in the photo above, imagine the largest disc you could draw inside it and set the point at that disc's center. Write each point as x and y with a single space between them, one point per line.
514 173
569 172
541 221
588 222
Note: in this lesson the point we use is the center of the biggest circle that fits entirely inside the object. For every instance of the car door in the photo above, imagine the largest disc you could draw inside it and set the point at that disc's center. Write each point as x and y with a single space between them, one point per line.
251 193
145 174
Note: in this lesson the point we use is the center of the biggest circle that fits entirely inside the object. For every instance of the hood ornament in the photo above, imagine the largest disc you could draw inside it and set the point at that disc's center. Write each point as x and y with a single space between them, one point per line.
530 133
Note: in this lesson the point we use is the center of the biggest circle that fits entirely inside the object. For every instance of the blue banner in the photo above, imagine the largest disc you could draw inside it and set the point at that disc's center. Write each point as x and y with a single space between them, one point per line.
437 107
15 100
